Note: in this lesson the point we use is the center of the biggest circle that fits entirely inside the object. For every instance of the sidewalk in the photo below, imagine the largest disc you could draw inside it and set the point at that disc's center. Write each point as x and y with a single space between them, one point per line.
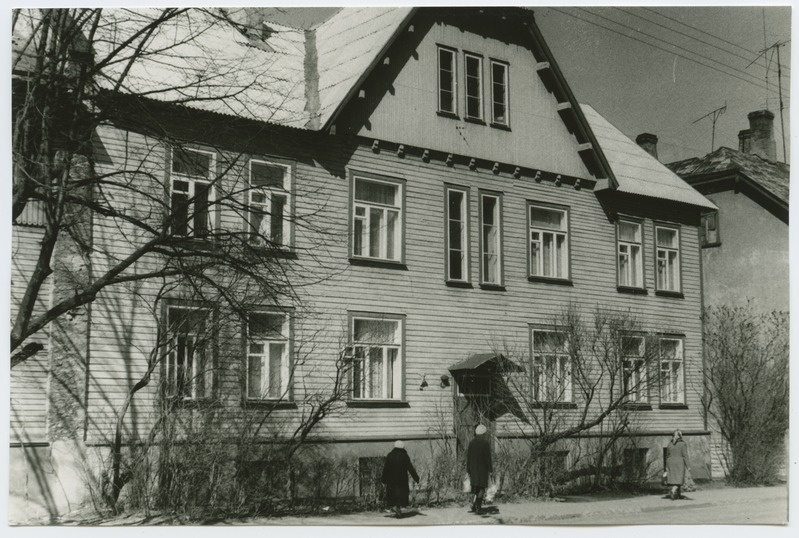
538 512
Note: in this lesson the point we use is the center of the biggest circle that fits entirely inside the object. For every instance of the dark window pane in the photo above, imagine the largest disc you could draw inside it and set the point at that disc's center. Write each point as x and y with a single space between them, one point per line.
455 201
201 203
489 204
191 163
278 205
263 325
180 214
455 265
266 175
371 191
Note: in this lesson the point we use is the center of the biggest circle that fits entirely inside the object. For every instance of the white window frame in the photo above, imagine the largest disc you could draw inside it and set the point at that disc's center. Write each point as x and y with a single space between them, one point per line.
453 76
265 207
634 272
361 371
662 266
362 213
191 191
466 57
672 373
463 224
542 384
265 357
635 366
505 93
536 240
484 253
171 361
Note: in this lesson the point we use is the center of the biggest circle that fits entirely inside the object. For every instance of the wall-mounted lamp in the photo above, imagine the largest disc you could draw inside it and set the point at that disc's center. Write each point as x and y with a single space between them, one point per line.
444 381
423 385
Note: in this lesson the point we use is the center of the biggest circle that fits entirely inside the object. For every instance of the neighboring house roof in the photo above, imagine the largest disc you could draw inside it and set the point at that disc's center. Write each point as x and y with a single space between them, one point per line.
636 171
772 176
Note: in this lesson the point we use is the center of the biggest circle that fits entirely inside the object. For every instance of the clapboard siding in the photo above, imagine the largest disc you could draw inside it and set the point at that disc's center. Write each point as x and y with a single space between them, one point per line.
443 325
28 382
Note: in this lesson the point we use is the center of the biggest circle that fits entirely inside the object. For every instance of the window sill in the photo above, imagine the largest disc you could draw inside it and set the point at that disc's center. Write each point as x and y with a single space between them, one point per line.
376 404
636 406
458 284
492 287
549 280
275 252
268 404
553 405
385 264
450 115
674 294
673 406
477 121
633 291
194 403
712 245
500 126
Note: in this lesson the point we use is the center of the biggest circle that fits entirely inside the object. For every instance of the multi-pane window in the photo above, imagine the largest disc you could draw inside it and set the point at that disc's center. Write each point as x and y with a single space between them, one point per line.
267 355
490 239
269 208
499 93
552 376
631 273
191 191
377 358
377 219
549 242
634 369
474 86
668 258
457 235
709 230
447 96
188 367
671 371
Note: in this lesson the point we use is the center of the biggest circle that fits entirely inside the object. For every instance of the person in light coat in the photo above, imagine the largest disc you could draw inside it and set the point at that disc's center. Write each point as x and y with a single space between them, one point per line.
395 476
676 464
478 465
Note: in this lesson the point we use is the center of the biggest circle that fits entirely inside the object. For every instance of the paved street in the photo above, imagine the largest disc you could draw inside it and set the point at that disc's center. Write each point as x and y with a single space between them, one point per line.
713 506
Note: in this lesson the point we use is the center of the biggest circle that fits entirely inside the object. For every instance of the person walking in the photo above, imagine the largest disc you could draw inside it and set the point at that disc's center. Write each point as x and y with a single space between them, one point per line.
395 476
478 466
676 464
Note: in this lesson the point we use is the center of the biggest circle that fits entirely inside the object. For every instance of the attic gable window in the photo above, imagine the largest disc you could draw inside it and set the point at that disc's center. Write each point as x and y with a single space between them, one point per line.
474 86
499 93
447 90
191 191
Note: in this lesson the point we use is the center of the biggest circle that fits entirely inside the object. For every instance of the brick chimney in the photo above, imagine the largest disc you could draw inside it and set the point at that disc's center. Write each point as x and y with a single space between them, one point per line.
759 138
649 143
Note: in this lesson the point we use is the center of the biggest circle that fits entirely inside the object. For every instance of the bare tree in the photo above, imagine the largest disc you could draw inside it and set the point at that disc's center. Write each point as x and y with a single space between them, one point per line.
584 376
746 389
79 71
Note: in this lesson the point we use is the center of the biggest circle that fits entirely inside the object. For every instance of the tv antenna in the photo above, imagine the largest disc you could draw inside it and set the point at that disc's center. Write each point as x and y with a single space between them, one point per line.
778 45
714 116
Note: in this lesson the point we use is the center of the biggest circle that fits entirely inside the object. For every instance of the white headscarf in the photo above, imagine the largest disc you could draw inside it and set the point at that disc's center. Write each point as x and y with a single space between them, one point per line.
480 429
399 444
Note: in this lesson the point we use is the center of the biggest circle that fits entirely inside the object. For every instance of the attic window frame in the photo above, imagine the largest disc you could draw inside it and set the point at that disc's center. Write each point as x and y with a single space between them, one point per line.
506 94
479 95
453 76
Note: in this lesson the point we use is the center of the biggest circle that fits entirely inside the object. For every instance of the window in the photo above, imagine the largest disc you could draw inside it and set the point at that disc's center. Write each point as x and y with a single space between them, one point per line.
189 369
634 377
377 358
377 219
457 235
490 239
267 356
474 86
549 242
709 230
191 192
668 258
269 208
499 93
551 367
447 97
631 273
671 371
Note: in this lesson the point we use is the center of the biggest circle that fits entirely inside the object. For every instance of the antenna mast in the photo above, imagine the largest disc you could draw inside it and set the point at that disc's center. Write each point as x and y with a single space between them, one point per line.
778 45
713 115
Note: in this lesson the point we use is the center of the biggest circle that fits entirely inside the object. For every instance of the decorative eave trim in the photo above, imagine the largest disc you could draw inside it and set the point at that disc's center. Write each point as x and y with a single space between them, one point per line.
736 179
572 116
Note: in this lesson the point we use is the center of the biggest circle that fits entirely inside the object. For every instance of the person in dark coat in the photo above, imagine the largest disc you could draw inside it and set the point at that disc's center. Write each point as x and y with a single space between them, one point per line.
478 465
676 464
395 476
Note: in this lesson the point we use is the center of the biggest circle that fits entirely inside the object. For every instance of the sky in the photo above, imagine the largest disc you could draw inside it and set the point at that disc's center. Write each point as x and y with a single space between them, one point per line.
660 69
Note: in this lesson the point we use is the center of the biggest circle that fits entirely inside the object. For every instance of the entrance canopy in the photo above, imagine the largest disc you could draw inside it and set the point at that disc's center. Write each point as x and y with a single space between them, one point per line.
484 361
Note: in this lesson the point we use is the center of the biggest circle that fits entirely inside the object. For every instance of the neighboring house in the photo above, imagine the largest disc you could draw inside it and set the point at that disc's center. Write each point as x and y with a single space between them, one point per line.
744 243
476 200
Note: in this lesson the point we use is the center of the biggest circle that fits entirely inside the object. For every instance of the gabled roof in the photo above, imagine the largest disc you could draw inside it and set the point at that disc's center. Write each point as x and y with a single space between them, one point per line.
772 176
636 171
